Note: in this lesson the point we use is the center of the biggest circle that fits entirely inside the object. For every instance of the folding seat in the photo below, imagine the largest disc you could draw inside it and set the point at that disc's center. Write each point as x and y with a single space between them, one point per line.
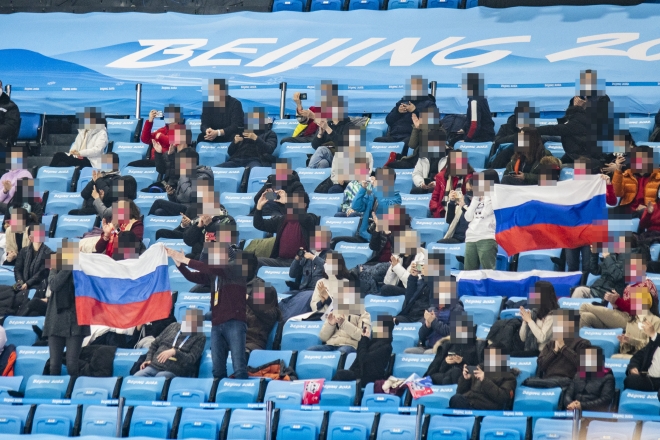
381 150
74 225
350 358
31 128
623 225
482 331
556 148
300 335
296 153
396 427
407 364
566 173
300 425
145 200
276 276
341 226
380 402
450 428
153 223
245 424
655 252
377 125
509 428
417 205
19 329
178 282
439 399
317 364
345 426
650 431
7 276
483 309
239 390
227 179
237 203
354 253
619 430
95 388
62 202
311 177
212 154
430 230
284 128
403 4
175 243
206 365
129 151
403 182
246 229
54 179
121 130
383 305
640 127
55 419
405 335
189 390
124 360
142 388
536 399
604 338
324 205
9 383
99 420
451 4
540 260
83 178
149 421
261 357
338 393
46 387
188 300
573 303
477 152
258 176
14 419
29 362
201 423
195 126
553 429
143 176
284 393
326 5
527 367
639 402
618 367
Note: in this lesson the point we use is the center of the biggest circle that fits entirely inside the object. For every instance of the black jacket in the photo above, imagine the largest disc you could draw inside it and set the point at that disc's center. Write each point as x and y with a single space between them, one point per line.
228 118
275 225
104 184
261 149
574 129
495 392
373 356
611 271
336 137
417 300
400 125
485 124
507 134
565 363
31 266
188 351
443 373
292 185
260 318
9 118
166 165
643 358
594 393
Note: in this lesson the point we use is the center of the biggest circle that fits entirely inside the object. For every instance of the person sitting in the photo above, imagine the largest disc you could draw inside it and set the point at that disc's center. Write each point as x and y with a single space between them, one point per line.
417 299
524 167
343 171
649 224
284 179
643 372
307 128
166 162
16 236
222 115
255 146
262 313
332 133
454 172
638 186
126 217
611 273
536 328
592 388
480 245
377 200
335 275
91 142
10 118
479 125
158 140
100 185
644 307
430 151
9 179
490 387
177 350
362 172
458 202
307 268
183 196
574 128
30 271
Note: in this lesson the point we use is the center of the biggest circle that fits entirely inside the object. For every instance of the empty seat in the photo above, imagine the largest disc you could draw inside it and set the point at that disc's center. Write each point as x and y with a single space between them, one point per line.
195 126
325 205
311 177
381 150
284 128
477 152
286 393
62 202
95 388
129 151
451 4
261 357
377 125
574 303
236 203
417 205
276 276
341 226
540 260
153 223
142 388
7 275
83 178
55 419
566 174
31 128
124 360
482 331
404 181
604 338
397 426
148 421
639 402
338 393
227 179
439 399
640 128
407 364
175 243
510 313
509 428
19 329
556 148
245 424
74 225
650 431
30 361
404 335
238 391
380 402
450 428
350 358
430 230
296 152
145 200
201 423
383 305
188 300
99 420
178 282
535 399
46 387
14 418
9 383
189 390
258 176
212 154
54 179
553 429
143 176
246 229
300 335
121 130
299 425
618 367
354 253
527 367
620 430
345 426
326 5
317 364
483 309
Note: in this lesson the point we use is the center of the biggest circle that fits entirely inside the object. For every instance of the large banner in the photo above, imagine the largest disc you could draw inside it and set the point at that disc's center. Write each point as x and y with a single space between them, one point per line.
58 63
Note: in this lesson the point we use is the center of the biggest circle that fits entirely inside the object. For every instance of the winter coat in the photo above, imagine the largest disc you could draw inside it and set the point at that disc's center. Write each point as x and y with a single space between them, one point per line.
650 222
61 319
334 168
594 393
436 204
531 169
539 331
495 392
400 125
166 165
275 225
9 118
161 136
103 183
91 144
564 363
626 186
187 354
417 300
443 373
307 272
348 333
364 202
485 126
10 243
338 137
638 339
507 134
12 176
260 149
611 271
574 129
291 186
426 169
506 333
10 301
229 118
31 267
260 318
372 359
441 325
462 226
643 359
184 193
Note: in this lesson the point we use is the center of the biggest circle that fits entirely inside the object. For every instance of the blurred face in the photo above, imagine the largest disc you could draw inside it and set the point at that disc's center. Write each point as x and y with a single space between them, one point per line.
445 291
16 158
217 94
522 144
331 265
639 301
172 114
107 163
590 360
193 322
218 254
255 120
259 294
178 136
38 234
458 163
641 162
635 270
462 329
348 299
563 327
405 242
495 361
90 119
17 221
416 87
380 329
321 239
295 206
66 257
385 180
185 165
121 212
483 186
282 172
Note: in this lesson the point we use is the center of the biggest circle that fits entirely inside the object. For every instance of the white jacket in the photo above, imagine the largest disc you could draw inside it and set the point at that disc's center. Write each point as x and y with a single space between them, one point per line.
93 146
334 169
399 273
481 216
423 168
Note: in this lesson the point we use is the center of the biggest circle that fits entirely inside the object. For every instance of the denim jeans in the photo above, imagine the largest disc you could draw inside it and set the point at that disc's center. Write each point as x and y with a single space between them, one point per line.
150 371
341 348
322 158
226 337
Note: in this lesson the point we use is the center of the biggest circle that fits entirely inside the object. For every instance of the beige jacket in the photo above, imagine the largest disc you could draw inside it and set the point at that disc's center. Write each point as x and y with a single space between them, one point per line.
11 245
349 333
638 338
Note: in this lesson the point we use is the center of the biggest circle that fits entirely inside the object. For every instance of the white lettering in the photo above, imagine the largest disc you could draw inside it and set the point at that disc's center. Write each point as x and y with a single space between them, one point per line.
132 61
597 49
205 59
440 59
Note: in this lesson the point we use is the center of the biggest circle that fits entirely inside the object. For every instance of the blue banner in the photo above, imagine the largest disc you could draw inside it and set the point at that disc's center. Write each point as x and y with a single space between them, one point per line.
58 63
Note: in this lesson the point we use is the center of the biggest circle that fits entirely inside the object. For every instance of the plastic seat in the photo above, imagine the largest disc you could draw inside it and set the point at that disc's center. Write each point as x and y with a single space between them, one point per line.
258 176
245 424
403 4
74 225
195 126
341 226
383 305
566 174
7 275
335 393
354 253
439 399
189 390
297 152
145 200
510 313
201 423
311 177
377 125
618 367
430 230
261 357
124 360
46 387
31 127
639 402
317 364
451 4
54 179
381 150
450 428
212 154
417 205
324 205
276 276
62 202
556 148
403 182
99 420
153 223
350 358
284 128
407 364
471 4
19 329
175 243
477 152
300 335
539 260
237 203
553 429
129 151
14 419
527 367
55 419
405 335
482 331
650 431
380 402
508 428
285 393
605 338
227 179
121 130
143 176
9 383
326 5
238 391
142 388
30 361
345 426
95 388
300 425
535 399
573 303
188 300
396 427
246 229
483 309
83 178
178 282
640 128
623 225
618 430
148 421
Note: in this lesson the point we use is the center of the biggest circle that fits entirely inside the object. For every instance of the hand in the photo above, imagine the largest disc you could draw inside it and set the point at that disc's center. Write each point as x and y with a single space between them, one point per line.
641 207
323 291
24 286
525 315
648 329
559 344
634 371
340 320
205 220
430 185
649 208
410 107
165 355
262 201
624 339
6 184
458 359
152 115
282 196
460 131
402 108
11 255
519 175
108 228
211 134
573 405
413 270
238 139
95 194
309 255
177 256
428 318
394 260
466 373
322 123
185 221
296 97
331 319
74 153
366 331
606 178
349 211
251 136
172 150
365 184
611 297
145 364
157 146
479 374
452 195
169 190
415 120
461 200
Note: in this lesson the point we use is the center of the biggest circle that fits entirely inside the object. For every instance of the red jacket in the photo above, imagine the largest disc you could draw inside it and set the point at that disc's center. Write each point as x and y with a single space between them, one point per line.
610 197
650 222
436 207
623 303
160 135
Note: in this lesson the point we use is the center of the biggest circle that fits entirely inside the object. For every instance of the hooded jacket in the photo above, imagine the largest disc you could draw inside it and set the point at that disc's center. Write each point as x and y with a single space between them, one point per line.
400 125
593 391
574 128
495 392
260 149
228 118
260 317
9 118
91 144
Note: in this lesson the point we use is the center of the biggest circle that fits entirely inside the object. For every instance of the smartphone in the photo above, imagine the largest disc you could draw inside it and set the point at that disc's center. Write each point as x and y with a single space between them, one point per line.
419 266
471 369
512 173
271 196
159 114
451 353
303 96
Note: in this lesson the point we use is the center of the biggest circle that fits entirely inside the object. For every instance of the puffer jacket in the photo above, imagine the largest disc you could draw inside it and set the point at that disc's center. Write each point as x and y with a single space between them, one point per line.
187 355
625 186
594 393
91 144
400 124
349 333
495 392
611 271
417 300
308 272
574 128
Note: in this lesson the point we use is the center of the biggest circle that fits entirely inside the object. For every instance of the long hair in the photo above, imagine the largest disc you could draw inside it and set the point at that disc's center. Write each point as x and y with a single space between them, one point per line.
342 272
548 298
536 147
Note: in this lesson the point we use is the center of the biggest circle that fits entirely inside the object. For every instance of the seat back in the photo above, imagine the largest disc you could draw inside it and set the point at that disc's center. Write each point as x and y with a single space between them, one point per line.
178 282
380 402
246 229
261 357
288 5
336 393
553 429
451 249
258 176
30 361
407 364
187 300
99 420
618 367
619 430
237 203
430 230
62 202
383 305
153 223
477 152
326 5
227 179
129 151
405 335
148 421
535 399
650 431
276 276
94 388
9 383
296 153
143 176
212 154
54 179
201 423
396 427
299 425
122 131
381 150
31 126
450 428
189 390
440 397
74 225
142 388
19 329
300 335
317 364
13 419
345 426
286 393
483 309
604 338
417 205
145 200
46 387
238 391
124 360
539 260
639 402
311 177
83 178
325 205
195 126
354 253
527 367
246 424
508 428
55 419
284 128
341 226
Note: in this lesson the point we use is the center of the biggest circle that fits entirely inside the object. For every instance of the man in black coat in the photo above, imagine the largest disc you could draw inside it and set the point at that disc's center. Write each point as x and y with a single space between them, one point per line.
284 179
222 115
643 373
574 129
9 117
101 182
255 146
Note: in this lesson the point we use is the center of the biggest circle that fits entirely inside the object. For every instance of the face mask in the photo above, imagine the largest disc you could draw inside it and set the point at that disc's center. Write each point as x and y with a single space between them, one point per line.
186 327
302 119
327 268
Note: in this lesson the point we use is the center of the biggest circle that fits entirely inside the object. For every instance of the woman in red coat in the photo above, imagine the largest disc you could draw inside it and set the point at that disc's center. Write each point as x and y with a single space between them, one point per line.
453 176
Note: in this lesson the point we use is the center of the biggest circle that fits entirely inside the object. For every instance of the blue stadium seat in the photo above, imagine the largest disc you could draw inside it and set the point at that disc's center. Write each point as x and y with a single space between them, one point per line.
350 358
345 426
623 225
246 424
383 305
377 125
129 151
556 148
19 329
121 130
175 243
237 203
153 223
453 249
178 282
7 275
285 393
206 365
55 419
326 5
539 260
401 4
451 4
300 425
566 173
47 221
237 391
30 361
148 421
508 428
482 331
195 126
450 428
14 419
403 182
341 226
354 253
417 205
439 399
317 364
639 402
201 423
46 387
284 128
535 399
142 388
94 388
31 126
9 383
311 177
483 309
405 335
527 367
381 150
300 335
145 200
124 360
246 229
650 431
258 176
553 429
74 225
380 402
325 205
471 4
605 338
338 393
618 367
63 202
276 276
396 427
54 179
477 152
212 154
296 152
655 251
407 364
83 178
227 179
261 357
618 430
640 128
574 303
143 176
99 420
189 390
430 230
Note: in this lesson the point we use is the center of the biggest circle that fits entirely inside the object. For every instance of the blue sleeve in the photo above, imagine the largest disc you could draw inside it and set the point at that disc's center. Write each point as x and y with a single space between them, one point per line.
360 200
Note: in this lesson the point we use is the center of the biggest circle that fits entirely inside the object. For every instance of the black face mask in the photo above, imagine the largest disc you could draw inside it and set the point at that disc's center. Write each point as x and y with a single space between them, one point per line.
302 119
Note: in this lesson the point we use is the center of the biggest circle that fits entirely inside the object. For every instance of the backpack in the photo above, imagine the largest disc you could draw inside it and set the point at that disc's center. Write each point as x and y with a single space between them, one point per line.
453 123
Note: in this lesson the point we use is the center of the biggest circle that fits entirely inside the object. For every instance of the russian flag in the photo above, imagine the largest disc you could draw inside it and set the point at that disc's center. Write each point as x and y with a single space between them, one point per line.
123 294
571 214
501 283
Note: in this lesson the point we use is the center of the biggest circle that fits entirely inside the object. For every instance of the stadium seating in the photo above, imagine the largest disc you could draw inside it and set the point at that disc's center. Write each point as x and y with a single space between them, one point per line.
260 357
477 152
258 176
345 426
284 128
201 423
238 391
54 179
379 402
151 421
95 388
284 393
341 226
396 426
381 150
31 128
452 249
325 205
573 303
354 253
195 126
144 177
317 364
189 390
556 148
417 205
566 174
483 309
430 230
439 399
605 338
639 402
124 360
338 393
212 154
407 364
121 130
619 430
650 431
14 419
618 367
99 420
403 182
46 387
142 388
540 260
175 243
178 282
452 4
30 361
74 225
383 305
188 300
527 367
553 429
640 128
19 329
145 200
129 151
296 153
237 203
300 425
482 331
9 383
152 223
511 428
246 424
227 179
311 177
535 399
246 229
450 428
404 335
350 358
276 276
55 419
62 202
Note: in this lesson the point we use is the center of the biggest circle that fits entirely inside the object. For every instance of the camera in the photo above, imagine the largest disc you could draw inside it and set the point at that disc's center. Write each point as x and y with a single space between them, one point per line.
303 96
301 253
271 196
159 114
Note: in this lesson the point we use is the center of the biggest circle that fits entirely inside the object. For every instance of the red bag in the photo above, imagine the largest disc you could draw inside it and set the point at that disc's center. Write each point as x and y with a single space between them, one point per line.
312 391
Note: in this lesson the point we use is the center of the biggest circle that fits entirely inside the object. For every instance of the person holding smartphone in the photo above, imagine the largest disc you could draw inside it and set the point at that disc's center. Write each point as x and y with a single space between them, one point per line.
525 164
307 127
254 145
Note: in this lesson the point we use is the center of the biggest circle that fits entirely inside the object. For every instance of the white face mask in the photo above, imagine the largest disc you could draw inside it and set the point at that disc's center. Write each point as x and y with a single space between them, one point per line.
186 327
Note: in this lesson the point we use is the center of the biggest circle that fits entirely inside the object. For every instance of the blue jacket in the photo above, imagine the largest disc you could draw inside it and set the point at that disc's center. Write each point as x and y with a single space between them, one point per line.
364 202
308 271
441 326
